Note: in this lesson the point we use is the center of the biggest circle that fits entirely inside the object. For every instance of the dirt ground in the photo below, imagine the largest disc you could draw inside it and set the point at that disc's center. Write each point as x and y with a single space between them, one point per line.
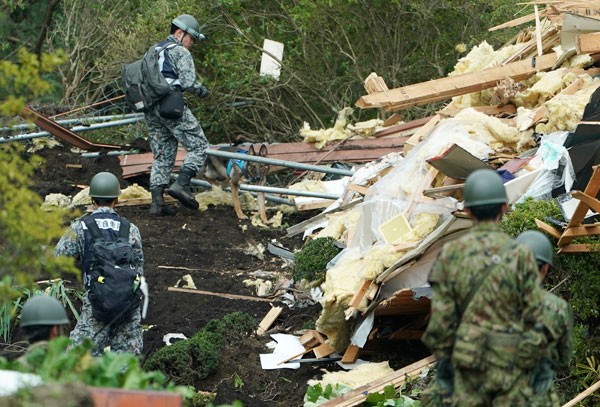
210 246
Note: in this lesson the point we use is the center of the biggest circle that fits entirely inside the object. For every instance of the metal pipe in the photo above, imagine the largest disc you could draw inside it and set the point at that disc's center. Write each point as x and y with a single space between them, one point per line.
76 129
281 163
284 191
82 121
268 197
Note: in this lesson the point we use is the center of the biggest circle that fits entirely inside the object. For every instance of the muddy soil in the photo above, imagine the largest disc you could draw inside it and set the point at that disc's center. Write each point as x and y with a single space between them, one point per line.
213 247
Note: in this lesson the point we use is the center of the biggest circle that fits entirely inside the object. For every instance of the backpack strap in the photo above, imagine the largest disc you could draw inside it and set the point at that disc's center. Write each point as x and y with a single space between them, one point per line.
92 226
124 229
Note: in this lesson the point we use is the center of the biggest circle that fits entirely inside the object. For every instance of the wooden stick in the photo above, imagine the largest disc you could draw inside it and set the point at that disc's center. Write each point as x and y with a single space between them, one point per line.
582 395
223 295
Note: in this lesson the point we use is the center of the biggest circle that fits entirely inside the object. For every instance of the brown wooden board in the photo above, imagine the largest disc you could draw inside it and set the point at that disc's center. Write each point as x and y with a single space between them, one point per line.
445 88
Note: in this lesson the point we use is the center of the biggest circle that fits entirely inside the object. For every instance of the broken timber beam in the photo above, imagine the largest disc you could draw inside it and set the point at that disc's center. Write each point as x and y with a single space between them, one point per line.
358 395
224 295
588 43
447 87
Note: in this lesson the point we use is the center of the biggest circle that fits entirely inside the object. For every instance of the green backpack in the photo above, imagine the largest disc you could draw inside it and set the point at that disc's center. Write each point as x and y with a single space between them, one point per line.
143 82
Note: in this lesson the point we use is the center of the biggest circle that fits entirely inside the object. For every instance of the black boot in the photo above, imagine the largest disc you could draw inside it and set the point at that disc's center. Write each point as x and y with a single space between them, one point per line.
180 189
158 207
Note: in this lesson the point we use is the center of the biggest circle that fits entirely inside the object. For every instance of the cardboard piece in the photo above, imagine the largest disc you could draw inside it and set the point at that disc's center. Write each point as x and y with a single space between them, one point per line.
270 63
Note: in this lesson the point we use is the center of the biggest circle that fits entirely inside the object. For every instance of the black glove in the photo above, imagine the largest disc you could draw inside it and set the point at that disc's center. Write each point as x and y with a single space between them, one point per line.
542 376
202 91
445 376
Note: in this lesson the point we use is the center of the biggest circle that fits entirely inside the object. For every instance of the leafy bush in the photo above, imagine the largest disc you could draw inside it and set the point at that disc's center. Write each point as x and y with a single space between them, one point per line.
55 363
311 262
194 359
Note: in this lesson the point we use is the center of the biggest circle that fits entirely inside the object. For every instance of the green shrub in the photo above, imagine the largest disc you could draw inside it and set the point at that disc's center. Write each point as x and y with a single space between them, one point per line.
194 359
311 262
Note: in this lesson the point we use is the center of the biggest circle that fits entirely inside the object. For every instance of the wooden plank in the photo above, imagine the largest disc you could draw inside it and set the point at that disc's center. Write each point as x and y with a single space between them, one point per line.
351 354
588 43
447 87
421 133
223 295
583 230
406 335
109 397
268 320
577 248
321 203
358 188
590 201
544 227
578 216
323 350
357 298
397 378
311 339
402 127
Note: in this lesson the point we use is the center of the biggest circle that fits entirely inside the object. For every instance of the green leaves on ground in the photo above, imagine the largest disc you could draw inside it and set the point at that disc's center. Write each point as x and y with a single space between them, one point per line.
316 394
310 263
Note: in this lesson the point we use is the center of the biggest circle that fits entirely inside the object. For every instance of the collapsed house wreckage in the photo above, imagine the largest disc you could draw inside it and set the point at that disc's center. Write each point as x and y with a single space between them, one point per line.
529 110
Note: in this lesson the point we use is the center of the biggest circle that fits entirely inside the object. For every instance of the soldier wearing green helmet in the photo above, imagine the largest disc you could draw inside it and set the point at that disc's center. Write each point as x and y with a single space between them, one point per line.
485 305
165 133
557 319
43 318
77 241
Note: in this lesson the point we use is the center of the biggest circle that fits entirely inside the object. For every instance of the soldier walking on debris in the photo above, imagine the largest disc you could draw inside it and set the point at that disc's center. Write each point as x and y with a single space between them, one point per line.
485 305
165 133
557 319
122 333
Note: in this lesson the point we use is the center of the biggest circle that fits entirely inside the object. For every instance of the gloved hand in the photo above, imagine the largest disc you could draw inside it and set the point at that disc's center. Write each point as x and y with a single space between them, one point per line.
542 376
445 376
202 91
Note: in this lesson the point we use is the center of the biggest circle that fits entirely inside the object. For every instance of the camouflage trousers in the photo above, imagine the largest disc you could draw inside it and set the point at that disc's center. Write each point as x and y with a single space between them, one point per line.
125 336
164 135
493 387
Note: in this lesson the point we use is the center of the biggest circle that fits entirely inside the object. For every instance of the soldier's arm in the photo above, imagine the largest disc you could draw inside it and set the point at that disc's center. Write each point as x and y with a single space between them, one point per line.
183 64
67 245
136 240
565 342
440 333
531 289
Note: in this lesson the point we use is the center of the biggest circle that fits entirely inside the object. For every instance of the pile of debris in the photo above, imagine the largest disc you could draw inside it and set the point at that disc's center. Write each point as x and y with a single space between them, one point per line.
527 110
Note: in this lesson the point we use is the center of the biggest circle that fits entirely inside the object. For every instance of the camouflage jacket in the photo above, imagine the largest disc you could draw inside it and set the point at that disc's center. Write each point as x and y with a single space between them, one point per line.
72 243
557 318
182 63
508 301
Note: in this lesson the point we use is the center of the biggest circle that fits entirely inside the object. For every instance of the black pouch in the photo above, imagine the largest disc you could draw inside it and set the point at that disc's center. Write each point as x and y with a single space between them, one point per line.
171 106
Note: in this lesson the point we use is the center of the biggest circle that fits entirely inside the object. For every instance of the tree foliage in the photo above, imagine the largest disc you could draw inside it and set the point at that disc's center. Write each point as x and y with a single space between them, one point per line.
27 233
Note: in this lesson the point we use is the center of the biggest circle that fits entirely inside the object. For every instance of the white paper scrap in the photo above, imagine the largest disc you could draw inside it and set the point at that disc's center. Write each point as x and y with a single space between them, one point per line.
286 347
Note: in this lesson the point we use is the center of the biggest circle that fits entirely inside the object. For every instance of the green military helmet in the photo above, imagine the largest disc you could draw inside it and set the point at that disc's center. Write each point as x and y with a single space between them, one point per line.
539 245
190 25
104 185
484 187
43 310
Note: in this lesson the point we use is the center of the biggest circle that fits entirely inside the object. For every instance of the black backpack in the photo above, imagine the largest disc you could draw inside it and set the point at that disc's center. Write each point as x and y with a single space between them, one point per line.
143 82
112 280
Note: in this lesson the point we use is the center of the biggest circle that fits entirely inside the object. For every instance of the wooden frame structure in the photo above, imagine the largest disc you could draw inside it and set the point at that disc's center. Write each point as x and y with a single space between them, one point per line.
575 228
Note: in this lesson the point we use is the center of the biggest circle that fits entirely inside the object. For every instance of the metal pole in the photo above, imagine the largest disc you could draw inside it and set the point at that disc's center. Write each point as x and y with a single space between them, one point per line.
76 129
258 188
82 121
280 163
268 197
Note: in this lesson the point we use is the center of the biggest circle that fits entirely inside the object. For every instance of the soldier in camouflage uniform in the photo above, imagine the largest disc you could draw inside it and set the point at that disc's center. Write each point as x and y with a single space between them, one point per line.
557 319
485 304
177 66
126 335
